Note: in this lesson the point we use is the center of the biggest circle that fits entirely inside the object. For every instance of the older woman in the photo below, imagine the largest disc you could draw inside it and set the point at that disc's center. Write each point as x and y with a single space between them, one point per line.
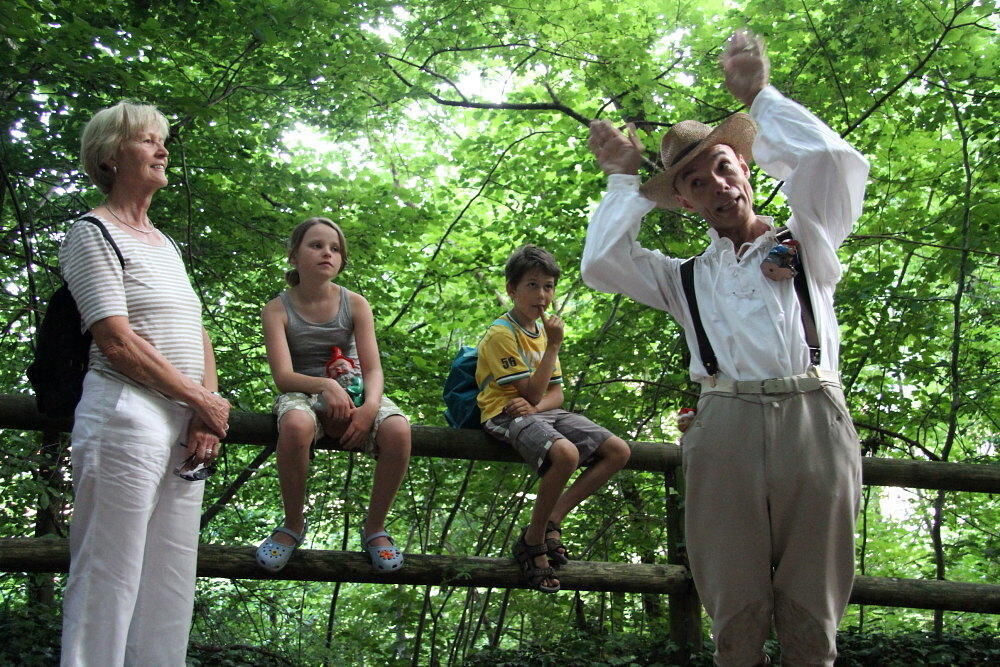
149 408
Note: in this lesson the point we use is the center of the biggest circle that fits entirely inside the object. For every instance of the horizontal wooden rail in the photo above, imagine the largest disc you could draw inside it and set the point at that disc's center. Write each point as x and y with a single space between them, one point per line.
927 594
31 554
19 412
40 554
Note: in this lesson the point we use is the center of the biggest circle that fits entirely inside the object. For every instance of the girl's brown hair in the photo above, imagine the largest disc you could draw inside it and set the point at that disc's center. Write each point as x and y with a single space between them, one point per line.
299 233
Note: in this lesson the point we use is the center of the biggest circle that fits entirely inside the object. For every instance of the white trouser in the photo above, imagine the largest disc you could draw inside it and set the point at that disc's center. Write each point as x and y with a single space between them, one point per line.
134 534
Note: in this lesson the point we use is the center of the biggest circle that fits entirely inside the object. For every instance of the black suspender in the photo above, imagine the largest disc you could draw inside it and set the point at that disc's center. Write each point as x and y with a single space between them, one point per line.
708 358
805 303
704 347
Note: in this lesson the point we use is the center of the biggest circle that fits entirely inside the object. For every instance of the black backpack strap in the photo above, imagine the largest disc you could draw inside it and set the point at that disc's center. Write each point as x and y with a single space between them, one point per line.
174 244
805 303
114 246
704 347
107 236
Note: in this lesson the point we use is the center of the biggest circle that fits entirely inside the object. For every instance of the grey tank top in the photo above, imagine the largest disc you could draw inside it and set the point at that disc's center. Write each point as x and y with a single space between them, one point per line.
309 342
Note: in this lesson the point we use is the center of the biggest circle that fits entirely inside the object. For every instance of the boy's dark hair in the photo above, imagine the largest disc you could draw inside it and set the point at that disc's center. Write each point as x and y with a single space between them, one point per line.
528 257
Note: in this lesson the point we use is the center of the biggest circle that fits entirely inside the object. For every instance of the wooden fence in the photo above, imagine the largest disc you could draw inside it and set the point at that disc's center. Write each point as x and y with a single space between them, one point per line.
673 579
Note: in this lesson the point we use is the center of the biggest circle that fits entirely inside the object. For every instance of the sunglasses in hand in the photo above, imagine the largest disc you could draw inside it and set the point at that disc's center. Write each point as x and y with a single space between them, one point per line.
194 472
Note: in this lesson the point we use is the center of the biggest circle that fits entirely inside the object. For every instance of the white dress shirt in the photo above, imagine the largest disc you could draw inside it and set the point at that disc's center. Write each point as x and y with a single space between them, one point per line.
753 323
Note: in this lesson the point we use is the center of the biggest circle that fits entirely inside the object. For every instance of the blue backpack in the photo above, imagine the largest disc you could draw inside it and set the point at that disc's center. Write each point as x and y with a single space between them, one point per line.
460 388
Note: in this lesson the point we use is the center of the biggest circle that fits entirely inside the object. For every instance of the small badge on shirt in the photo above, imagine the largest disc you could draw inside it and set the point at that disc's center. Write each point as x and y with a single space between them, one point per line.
782 263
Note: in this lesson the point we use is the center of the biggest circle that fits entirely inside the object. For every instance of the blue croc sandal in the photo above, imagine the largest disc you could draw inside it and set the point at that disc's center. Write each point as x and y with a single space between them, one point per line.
383 559
272 556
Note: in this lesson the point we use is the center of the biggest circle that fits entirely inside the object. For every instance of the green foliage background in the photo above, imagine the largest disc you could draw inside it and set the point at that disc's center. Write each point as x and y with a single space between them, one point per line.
442 135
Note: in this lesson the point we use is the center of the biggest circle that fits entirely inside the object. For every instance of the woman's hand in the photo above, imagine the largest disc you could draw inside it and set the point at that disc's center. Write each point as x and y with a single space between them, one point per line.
338 402
213 413
202 443
133 355
356 433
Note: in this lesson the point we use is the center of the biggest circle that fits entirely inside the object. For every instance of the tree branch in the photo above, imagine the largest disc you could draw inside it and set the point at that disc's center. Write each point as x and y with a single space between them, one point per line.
901 239
956 342
468 104
931 456
829 59
913 71
423 284
231 490
486 47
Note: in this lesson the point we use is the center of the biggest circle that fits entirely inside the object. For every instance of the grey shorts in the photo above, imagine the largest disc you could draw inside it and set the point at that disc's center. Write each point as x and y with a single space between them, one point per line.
533 435
299 401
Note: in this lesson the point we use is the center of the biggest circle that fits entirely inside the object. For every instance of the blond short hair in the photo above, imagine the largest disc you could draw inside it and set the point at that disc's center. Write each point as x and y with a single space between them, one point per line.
108 130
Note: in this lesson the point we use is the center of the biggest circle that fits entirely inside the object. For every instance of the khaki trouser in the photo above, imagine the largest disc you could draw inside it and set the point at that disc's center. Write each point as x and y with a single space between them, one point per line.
773 486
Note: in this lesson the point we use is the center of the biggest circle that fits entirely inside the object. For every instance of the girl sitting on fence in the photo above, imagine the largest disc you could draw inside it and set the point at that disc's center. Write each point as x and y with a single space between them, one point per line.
301 325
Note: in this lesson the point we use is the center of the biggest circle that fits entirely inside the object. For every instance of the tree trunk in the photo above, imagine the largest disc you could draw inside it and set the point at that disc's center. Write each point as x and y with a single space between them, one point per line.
501 617
685 606
331 618
40 587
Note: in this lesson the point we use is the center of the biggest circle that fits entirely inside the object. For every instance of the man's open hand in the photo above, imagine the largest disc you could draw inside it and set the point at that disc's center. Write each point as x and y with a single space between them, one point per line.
745 65
615 153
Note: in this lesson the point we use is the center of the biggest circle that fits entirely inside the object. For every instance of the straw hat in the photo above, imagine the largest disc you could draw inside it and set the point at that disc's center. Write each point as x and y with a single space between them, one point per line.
685 141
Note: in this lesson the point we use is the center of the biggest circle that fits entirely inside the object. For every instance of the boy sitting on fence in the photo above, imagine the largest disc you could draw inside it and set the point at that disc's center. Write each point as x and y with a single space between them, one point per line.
521 404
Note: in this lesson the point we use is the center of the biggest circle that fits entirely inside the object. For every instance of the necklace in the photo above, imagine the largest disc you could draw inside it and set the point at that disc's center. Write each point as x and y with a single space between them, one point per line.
152 229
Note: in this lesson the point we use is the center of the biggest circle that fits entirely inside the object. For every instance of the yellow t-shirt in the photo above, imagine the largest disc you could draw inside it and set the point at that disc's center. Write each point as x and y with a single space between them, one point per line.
506 354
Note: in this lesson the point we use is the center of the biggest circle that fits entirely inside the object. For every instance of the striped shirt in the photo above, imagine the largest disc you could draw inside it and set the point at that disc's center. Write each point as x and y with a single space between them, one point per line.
153 292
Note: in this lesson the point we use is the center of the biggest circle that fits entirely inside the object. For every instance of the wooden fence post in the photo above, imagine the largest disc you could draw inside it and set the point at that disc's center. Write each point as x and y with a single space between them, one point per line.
685 607
41 588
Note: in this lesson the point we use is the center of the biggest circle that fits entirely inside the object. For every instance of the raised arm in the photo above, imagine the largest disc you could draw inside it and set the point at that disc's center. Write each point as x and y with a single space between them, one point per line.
533 388
745 66
613 261
824 177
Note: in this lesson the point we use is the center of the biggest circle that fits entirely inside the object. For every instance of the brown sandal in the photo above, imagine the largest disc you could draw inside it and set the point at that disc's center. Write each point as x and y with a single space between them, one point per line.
554 546
525 555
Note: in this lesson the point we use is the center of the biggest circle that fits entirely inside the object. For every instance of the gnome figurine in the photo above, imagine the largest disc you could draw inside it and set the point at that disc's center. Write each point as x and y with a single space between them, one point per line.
684 418
782 262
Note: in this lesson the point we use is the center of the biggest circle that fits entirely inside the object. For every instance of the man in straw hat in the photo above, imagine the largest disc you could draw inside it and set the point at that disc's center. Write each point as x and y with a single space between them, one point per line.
772 460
